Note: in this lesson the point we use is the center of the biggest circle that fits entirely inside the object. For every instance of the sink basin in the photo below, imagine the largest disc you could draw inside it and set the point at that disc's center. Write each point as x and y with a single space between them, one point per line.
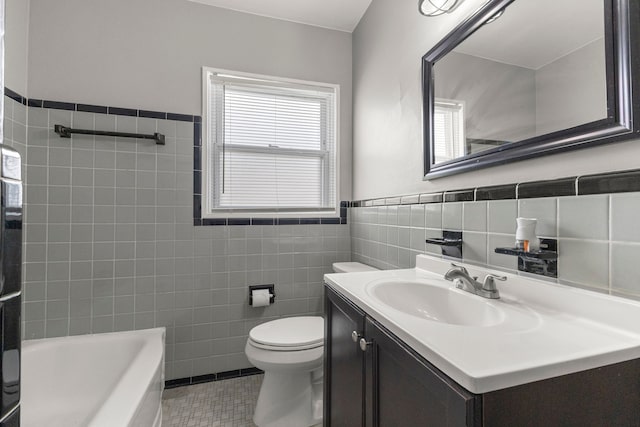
435 303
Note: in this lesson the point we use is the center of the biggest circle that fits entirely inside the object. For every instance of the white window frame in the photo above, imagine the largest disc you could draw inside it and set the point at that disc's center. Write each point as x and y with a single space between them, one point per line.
208 211
451 104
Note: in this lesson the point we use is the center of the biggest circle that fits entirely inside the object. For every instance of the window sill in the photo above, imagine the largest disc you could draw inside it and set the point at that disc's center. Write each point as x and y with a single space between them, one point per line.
226 218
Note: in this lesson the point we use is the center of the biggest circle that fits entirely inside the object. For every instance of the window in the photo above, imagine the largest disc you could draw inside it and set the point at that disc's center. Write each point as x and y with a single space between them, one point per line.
448 124
269 145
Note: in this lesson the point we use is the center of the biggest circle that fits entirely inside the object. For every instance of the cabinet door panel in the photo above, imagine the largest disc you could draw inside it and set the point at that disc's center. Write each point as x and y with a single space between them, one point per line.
408 391
606 396
344 363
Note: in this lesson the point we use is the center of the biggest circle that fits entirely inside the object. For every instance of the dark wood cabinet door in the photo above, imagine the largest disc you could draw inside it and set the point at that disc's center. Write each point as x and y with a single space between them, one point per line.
406 390
606 396
343 363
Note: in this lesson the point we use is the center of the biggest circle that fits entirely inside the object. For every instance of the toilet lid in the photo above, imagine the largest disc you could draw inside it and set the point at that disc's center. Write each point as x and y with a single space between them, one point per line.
290 332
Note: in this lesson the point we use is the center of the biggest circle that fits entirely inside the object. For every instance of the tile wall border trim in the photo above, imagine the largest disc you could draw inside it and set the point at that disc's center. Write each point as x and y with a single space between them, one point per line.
555 188
15 96
198 220
614 182
101 109
467 195
602 183
496 192
200 379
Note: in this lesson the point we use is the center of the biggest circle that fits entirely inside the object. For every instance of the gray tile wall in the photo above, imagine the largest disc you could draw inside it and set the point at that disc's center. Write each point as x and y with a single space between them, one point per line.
598 236
110 245
15 126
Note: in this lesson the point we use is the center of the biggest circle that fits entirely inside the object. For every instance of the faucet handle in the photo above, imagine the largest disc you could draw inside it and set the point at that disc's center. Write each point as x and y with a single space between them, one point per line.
461 268
489 281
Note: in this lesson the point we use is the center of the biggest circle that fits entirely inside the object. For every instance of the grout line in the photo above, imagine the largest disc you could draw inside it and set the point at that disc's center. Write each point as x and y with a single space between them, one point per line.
70 210
46 242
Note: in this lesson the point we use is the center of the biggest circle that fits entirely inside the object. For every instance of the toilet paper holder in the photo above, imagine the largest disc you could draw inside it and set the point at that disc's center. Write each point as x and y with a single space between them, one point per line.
270 287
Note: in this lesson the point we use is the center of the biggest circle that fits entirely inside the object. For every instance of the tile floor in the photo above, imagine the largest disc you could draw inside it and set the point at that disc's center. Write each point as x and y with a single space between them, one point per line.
227 403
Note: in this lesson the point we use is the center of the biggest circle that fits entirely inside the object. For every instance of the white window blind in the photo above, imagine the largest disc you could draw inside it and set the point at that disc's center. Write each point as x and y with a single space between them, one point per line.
271 146
448 123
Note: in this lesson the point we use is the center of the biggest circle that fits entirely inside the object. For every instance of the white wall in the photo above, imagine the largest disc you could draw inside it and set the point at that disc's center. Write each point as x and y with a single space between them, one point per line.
387 46
572 90
16 42
490 90
148 54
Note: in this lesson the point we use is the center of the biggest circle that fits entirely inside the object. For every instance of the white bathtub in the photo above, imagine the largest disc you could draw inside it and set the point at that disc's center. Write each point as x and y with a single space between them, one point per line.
102 380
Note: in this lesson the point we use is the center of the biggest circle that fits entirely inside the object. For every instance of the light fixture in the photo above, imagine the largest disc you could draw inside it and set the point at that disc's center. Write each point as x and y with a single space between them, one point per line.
436 7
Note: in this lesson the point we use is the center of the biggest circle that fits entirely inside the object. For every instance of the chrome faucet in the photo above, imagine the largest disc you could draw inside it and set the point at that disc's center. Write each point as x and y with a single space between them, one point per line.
463 280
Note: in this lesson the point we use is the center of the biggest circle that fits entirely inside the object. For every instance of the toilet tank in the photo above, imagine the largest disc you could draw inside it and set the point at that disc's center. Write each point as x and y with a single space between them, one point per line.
351 267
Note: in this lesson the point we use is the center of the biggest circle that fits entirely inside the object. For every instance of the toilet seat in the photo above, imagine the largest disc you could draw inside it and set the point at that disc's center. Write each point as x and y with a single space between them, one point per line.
289 334
281 348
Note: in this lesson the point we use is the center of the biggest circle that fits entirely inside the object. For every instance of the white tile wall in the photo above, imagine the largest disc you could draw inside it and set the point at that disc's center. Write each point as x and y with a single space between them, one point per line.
584 217
433 214
474 247
404 215
625 212
474 216
500 216
452 216
584 262
599 236
417 216
625 268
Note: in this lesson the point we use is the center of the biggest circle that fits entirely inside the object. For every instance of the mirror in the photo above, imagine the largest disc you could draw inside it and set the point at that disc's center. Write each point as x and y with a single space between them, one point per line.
526 78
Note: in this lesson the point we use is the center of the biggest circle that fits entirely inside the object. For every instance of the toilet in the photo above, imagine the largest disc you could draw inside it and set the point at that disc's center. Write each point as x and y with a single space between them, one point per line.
290 352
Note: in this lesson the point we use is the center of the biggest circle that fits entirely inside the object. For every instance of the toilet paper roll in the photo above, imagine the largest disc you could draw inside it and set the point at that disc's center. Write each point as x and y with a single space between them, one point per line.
260 298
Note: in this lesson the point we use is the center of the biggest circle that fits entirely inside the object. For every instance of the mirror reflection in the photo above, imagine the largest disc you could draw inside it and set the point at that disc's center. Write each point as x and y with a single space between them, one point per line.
536 69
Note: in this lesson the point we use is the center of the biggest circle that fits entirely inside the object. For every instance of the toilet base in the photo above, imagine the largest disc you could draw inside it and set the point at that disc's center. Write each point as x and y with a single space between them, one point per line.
289 400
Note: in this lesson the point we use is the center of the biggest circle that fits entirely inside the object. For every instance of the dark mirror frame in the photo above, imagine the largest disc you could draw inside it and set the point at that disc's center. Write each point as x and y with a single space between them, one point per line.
622 56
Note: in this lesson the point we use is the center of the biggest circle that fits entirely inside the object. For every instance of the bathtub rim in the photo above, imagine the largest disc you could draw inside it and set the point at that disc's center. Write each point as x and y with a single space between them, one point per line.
120 408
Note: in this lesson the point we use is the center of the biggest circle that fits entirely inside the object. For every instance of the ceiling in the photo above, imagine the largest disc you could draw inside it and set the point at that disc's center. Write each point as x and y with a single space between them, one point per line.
534 33
341 15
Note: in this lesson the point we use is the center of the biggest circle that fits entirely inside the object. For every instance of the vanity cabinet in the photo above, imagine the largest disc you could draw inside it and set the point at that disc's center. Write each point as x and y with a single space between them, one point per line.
344 363
373 379
389 385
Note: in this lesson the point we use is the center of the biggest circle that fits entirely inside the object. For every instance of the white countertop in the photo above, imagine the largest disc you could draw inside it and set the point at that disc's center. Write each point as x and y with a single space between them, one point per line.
548 329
